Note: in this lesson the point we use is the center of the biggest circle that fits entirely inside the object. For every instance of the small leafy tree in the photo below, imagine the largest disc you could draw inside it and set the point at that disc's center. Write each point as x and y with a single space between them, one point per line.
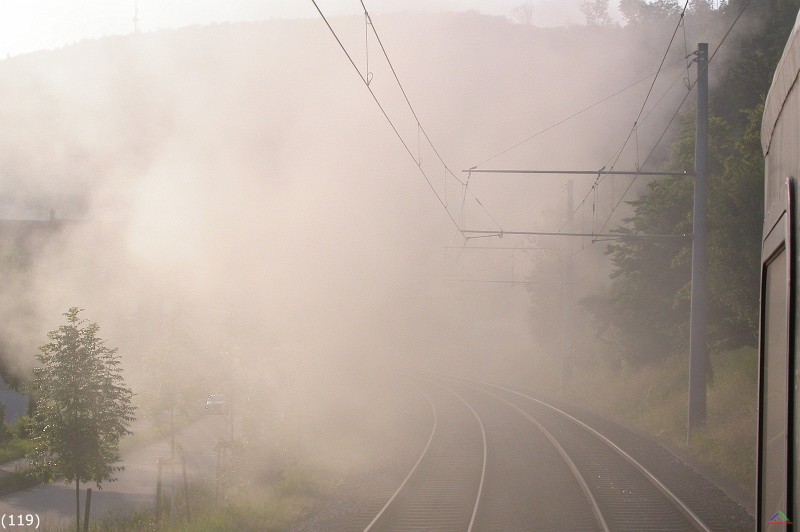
648 11
84 407
596 12
523 13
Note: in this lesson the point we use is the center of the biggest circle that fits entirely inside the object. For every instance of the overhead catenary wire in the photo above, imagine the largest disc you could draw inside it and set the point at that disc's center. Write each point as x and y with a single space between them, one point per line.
464 198
677 111
688 78
602 174
647 159
568 118
664 95
399 84
385 114
521 248
612 162
598 236
420 128
367 73
693 84
661 65
496 281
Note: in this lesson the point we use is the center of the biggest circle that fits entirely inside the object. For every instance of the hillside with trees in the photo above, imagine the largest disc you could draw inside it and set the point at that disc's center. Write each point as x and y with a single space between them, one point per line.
648 296
251 194
640 330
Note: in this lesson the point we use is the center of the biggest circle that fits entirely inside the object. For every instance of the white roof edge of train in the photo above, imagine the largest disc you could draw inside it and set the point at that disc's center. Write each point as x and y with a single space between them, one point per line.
783 82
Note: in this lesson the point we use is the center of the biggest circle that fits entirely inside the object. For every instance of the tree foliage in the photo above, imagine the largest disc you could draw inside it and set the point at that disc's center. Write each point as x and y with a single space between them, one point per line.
523 13
83 405
641 11
757 49
649 296
647 304
596 12
735 238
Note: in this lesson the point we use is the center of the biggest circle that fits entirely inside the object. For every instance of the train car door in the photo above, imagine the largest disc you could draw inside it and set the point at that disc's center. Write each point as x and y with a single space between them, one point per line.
776 469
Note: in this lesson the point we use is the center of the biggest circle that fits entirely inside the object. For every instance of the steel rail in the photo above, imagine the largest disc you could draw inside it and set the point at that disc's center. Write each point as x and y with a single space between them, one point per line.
598 514
413 469
679 504
483 467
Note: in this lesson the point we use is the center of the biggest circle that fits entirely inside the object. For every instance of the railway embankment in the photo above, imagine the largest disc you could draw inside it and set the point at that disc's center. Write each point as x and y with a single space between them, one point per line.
653 401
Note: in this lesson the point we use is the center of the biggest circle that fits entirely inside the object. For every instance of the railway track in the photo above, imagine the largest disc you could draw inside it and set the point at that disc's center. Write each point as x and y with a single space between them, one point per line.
443 488
497 459
701 502
623 493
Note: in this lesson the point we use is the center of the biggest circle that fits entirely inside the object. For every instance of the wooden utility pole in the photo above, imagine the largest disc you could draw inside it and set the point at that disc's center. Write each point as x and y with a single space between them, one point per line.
88 508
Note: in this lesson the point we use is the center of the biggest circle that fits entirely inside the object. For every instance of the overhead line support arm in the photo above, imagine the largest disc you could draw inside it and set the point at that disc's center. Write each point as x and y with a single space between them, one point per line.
581 172
594 235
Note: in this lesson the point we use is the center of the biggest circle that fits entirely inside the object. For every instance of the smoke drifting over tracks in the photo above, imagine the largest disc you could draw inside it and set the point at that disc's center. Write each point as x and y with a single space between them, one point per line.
537 457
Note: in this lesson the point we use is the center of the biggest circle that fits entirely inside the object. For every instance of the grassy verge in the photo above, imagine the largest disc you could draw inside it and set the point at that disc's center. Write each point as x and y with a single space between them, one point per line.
14 449
654 399
18 480
250 508
144 437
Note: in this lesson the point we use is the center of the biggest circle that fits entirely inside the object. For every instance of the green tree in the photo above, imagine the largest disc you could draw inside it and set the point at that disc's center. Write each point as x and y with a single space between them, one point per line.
649 274
523 13
644 301
642 11
596 12
735 238
747 78
648 302
84 407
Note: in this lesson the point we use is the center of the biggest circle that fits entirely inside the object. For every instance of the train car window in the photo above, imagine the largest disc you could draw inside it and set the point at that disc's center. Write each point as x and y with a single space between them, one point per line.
775 390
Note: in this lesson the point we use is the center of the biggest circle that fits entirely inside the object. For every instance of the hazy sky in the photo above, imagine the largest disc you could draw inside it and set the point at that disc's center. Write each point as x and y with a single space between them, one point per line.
29 25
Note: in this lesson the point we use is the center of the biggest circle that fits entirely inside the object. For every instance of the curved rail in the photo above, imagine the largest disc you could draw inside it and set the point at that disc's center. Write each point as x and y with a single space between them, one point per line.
598 514
679 504
483 466
414 468
474 514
